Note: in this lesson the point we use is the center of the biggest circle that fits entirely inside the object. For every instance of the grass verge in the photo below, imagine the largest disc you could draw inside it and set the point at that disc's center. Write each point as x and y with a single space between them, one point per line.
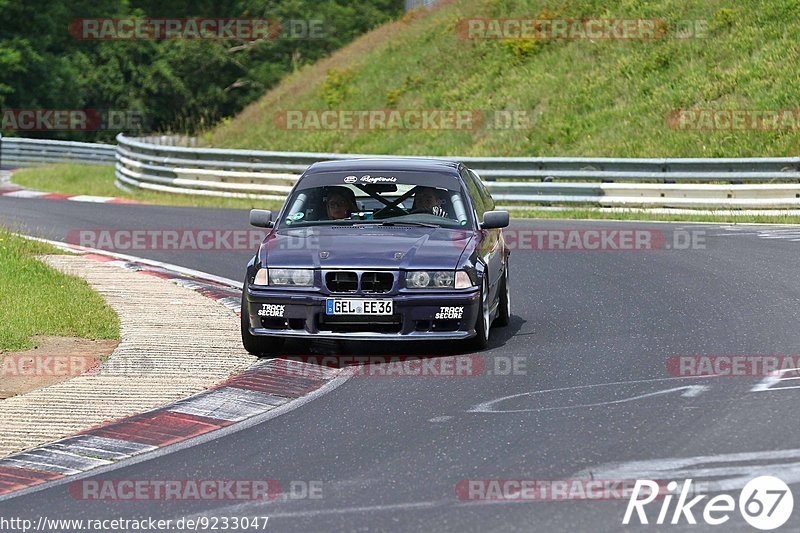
96 180
37 300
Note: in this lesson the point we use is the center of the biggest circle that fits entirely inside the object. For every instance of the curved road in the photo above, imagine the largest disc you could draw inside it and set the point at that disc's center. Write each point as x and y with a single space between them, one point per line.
591 337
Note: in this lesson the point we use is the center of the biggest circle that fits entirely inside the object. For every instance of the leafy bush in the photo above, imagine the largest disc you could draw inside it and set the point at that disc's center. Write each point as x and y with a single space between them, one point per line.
178 85
336 86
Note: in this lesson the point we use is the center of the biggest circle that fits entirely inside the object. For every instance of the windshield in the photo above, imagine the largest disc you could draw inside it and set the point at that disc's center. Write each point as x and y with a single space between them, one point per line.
401 198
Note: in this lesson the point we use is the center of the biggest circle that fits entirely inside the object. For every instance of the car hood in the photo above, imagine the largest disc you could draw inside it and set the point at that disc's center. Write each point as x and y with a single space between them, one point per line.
365 247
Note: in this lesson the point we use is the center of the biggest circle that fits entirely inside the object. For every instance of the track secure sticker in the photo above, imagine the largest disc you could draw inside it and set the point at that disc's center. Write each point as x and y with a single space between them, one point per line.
449 313
271 310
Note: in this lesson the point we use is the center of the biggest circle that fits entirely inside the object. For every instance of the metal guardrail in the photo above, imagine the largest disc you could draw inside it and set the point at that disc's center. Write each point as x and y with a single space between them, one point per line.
270 175
493 168
729 183
19 152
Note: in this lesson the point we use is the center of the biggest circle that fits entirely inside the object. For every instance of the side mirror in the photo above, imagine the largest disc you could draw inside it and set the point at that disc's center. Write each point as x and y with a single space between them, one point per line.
495 220
261 218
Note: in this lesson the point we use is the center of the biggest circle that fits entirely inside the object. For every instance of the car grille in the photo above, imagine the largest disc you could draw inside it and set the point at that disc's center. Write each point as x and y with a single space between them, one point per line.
354 324
342 281
377 281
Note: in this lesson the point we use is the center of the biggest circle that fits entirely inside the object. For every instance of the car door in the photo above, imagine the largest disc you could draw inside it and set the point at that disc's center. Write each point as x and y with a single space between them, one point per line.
491 248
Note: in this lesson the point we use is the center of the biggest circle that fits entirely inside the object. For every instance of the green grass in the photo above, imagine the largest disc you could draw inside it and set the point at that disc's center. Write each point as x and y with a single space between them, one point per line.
96 180
588 98
37 300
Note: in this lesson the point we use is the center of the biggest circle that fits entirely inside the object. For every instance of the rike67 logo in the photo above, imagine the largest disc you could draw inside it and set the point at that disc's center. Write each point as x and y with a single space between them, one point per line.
765 503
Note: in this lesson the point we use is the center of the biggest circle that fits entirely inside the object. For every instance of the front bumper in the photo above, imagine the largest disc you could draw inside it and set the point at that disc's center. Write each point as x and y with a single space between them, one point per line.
303 315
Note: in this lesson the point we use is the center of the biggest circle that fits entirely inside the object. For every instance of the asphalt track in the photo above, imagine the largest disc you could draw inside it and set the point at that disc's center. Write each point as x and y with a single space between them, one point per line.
592 332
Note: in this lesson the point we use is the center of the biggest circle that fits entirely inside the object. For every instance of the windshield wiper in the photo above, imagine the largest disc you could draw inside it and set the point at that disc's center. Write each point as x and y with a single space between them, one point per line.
417 224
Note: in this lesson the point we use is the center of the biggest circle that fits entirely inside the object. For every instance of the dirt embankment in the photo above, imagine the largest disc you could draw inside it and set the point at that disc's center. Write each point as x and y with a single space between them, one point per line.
53 360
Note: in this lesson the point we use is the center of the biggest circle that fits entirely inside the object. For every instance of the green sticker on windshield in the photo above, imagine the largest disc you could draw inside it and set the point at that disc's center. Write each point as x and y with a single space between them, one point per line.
462 222
299 215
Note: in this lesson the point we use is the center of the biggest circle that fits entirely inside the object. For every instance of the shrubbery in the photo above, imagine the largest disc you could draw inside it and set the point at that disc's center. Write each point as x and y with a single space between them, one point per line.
178 85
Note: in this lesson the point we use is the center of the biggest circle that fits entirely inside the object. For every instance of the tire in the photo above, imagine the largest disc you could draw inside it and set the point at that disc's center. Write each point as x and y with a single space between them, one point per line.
482 324
504 308
254 344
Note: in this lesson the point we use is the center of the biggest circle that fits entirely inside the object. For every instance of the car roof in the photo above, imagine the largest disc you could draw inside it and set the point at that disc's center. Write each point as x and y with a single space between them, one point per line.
409 164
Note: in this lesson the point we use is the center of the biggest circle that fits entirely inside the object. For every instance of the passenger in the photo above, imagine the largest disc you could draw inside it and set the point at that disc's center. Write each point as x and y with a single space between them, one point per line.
427 200
340 202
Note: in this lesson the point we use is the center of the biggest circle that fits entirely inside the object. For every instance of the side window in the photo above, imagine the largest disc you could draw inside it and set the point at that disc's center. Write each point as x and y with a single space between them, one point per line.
473 186
488 201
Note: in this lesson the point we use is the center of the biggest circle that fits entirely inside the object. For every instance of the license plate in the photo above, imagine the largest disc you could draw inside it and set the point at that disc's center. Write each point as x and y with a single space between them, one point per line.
336 306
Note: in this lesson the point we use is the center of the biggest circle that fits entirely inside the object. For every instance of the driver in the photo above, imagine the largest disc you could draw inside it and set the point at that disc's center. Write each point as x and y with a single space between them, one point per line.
340 202
427 200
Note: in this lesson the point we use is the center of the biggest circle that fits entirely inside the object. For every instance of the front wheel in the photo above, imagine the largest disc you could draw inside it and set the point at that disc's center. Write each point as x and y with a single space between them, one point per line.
254 344
482 325
504 309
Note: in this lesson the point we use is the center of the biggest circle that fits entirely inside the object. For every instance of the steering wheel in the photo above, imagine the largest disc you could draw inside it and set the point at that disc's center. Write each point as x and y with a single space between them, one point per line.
435 210
388 210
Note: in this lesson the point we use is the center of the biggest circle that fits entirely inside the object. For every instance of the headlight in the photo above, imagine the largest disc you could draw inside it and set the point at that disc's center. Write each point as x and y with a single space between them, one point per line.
443 279
431 279
291 277
417 280
261 279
